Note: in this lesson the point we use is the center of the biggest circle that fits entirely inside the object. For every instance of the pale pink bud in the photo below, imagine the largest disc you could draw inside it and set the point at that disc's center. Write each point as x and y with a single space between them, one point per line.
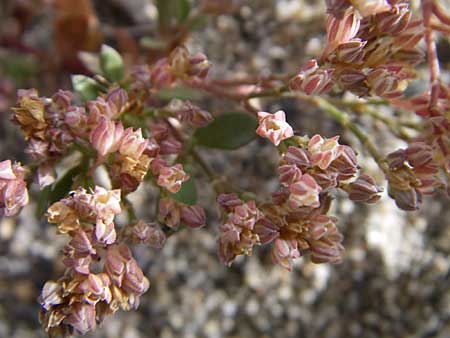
13 189
171 178
133 144
199 65
81 244
6 171
75 117
51 295
364 190
274 127
312 80
297 156
324 151
229 201
193 216
351 51
341 29
394 21
266 230
81 317
170 212
134 280
284 252
160 74
62 99
96 288
107 137
107 202
193 115
105 232
304 193
410 36
170 146
117 97
419 154
289 173
385 82
246 215
346 164
156 237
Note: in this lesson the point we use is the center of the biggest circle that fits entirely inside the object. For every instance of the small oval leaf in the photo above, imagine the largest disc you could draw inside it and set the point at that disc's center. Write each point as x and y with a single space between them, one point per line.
87 87
228 131
111 64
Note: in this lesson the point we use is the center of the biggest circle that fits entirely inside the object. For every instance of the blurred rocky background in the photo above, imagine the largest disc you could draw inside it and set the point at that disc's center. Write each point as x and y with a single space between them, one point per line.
394 281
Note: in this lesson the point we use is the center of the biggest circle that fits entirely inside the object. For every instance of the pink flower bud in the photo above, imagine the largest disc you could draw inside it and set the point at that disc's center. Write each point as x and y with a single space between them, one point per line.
107 203
246 215
171 178
312 80
289 173
341 29
304 193
193 216
297 156
229 201
410 36
160 74
274 127
133 144
266 230
105 232
284 252
81 244
396 20
199 65
364 190
170 146
193 115
51 295
13 189
107 137
62 99
117 98
324 151
351 51
170 212
81 317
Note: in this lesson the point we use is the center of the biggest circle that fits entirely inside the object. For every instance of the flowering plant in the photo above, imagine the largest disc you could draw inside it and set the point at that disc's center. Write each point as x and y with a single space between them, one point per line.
130 123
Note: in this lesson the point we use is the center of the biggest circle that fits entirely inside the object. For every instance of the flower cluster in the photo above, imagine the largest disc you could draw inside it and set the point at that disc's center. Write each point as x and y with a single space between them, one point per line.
296 219
180 64
83 297
13 188
371 49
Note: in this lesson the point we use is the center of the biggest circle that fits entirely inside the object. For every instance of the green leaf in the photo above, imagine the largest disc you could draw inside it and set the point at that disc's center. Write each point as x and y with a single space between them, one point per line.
183 7
111 64
87 87
228 131
172 12
187 193
64 185
182 93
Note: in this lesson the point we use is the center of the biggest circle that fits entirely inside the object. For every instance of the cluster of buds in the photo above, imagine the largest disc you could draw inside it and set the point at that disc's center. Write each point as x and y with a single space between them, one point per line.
13 188
179 65
296 219
413 173
82 298
48 127
237 234
130 163
173 213
371 49
193 115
